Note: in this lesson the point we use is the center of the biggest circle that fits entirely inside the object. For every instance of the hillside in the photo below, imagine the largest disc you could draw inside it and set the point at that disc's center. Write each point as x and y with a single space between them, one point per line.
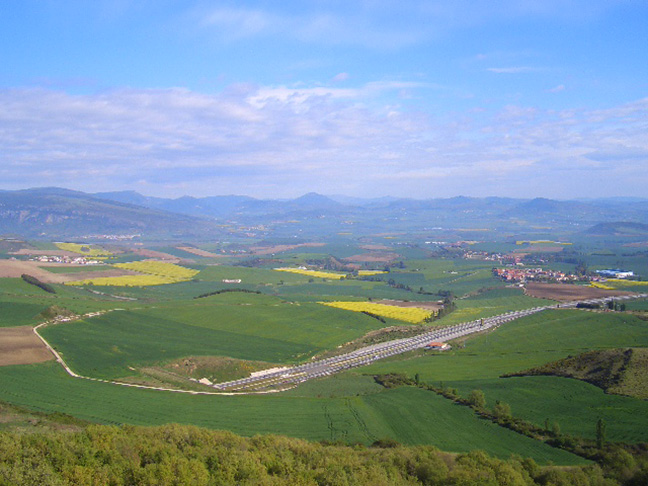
621 228
55 212
617 371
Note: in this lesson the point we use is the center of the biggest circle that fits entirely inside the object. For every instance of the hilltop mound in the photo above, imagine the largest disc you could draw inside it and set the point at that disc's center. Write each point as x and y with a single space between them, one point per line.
617 371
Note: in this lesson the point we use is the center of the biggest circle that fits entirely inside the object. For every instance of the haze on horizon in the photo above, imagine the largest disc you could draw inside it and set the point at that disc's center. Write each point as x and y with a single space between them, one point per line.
274 99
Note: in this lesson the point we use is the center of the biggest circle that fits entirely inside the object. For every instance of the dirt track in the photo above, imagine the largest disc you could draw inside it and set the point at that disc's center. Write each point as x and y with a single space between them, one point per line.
567 292
19 345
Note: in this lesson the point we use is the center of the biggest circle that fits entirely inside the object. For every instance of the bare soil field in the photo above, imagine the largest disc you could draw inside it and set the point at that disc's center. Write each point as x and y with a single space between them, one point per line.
199 252
373 257
544 249
158 255
19 345
268 250
434 306
375 247
15 268
567 292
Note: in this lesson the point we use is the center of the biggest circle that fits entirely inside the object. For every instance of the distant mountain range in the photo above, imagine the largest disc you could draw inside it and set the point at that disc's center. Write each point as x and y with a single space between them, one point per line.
56 212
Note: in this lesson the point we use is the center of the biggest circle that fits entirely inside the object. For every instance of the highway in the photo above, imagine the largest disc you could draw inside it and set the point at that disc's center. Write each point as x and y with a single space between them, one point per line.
289 377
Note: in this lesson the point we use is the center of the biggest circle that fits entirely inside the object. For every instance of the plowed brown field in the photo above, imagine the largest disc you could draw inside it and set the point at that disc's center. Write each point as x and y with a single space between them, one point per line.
19 345
567 292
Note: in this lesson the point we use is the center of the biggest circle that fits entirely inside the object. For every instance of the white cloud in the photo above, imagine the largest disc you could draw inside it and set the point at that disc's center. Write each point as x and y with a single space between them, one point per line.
513 70
385 24
557 89
285 142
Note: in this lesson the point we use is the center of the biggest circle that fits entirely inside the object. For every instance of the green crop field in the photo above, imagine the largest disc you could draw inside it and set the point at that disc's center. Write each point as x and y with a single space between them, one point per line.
411 416
19 313
530 342
574 404
275 317
523 344
244 326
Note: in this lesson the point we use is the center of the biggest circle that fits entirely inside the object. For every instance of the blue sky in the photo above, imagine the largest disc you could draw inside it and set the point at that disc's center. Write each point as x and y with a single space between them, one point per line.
364 98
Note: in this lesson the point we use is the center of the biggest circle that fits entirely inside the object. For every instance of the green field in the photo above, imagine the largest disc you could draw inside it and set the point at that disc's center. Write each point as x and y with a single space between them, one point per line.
411 416
530 342
278 320
574 404
525 343
238 325
19 313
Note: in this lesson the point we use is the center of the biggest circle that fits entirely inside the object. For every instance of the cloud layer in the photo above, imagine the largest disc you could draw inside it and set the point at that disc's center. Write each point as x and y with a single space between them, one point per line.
283 141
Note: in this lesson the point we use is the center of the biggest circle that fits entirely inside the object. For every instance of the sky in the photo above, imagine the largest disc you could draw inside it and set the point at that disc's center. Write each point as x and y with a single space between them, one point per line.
275 99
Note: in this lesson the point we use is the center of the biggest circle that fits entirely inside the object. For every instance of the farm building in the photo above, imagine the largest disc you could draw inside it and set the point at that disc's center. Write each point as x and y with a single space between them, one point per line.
615 273
437 346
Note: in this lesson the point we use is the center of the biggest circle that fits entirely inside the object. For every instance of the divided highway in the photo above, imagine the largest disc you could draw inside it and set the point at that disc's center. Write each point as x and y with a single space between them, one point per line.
289 377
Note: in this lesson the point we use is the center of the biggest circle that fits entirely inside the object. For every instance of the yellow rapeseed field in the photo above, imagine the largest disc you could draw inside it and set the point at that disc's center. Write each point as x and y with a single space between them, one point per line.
407 314
84 250
599 285
367 273
153 273
618 283
161 269
312 273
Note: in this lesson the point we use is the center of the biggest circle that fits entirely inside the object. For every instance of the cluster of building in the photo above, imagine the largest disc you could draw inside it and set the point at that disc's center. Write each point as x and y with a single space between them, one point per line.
483 255
516 274
80 260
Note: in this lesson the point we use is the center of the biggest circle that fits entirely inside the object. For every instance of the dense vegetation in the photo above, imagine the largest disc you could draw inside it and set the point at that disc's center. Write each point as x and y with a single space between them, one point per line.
41 285
173 455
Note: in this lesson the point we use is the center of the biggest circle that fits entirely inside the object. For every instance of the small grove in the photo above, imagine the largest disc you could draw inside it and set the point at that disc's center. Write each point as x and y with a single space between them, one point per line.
176 454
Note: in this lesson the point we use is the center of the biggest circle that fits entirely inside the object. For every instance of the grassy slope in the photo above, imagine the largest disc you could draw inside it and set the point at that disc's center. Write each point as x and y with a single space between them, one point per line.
618 371
410 415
